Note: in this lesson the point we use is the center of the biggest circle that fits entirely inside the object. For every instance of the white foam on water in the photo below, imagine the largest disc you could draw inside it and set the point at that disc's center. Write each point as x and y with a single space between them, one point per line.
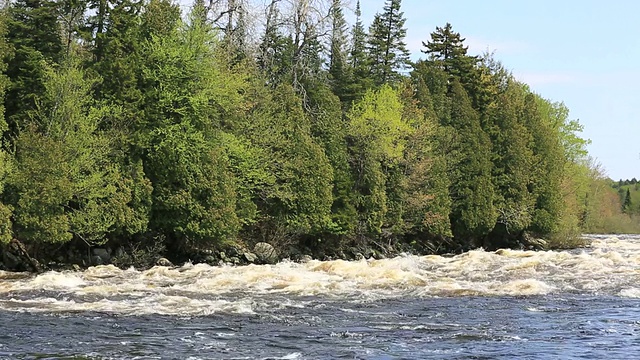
610 266
630 293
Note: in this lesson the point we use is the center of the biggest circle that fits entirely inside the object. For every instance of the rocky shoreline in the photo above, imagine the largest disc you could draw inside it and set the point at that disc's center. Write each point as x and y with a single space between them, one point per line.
15 256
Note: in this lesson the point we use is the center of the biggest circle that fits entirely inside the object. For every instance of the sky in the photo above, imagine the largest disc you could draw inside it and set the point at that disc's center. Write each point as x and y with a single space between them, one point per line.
584 53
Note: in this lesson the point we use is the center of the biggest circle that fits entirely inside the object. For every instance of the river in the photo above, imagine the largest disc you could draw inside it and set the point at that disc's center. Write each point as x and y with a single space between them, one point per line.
578 304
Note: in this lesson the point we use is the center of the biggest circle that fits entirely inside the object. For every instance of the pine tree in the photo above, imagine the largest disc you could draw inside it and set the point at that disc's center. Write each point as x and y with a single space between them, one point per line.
340 76
388 52
358 60
33 33
627 205
447 51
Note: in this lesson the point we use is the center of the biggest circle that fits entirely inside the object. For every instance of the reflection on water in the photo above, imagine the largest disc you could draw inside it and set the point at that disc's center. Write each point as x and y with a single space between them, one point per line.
507 304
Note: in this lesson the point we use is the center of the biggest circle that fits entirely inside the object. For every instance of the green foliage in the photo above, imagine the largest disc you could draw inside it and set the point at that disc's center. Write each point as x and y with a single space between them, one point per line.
388 54
64 184
358 60
472 194
377 132
130 124
512 157
299 198
338 69
32 33
426 200
193 189
329 128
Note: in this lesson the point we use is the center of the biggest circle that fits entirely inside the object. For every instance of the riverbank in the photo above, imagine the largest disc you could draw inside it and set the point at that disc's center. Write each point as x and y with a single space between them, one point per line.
16 256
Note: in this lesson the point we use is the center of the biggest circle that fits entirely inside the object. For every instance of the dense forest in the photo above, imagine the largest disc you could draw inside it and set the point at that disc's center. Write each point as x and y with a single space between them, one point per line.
129 124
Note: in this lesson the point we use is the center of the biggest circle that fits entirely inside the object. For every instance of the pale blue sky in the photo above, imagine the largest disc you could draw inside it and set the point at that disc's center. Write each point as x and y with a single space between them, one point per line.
584 53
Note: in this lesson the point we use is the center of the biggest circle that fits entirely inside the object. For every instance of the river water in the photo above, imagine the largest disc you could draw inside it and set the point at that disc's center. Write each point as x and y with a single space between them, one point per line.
579 304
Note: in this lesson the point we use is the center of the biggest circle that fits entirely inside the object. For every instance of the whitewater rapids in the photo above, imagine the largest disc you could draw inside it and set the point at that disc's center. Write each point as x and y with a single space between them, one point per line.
609 267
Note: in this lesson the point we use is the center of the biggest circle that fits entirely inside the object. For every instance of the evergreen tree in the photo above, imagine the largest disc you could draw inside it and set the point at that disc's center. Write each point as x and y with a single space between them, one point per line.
330 130
472 193
33 33
64 185
447 51
358 60
194 187
627 205
388 52
6 52
548 169
5 160
340 76
426 203
377 132
513 163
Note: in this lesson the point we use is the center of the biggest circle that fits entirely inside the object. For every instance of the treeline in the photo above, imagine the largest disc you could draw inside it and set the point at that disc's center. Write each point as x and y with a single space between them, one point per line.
127 122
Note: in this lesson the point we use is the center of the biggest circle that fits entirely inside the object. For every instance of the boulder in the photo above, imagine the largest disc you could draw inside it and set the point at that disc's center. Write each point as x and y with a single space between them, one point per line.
305 258
103 254
17 258
537 244
250 257
265 253
163 262
96 260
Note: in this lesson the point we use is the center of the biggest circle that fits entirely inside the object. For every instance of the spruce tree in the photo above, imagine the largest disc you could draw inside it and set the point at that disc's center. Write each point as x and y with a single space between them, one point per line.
340 76
358 60
447 51
33 33
388 52
626 206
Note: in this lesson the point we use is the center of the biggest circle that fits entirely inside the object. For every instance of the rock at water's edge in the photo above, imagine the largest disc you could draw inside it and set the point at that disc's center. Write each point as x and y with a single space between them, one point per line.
265 253
250 257
164 262
103 254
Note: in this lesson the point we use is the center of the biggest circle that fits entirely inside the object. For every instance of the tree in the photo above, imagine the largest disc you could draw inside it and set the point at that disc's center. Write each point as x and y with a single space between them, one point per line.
447 51
627 204
33 33
512 170
387 50
426 203
186 94
296 199
65 185
5 160
339 71
548 168
377 132
358 60
472 193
